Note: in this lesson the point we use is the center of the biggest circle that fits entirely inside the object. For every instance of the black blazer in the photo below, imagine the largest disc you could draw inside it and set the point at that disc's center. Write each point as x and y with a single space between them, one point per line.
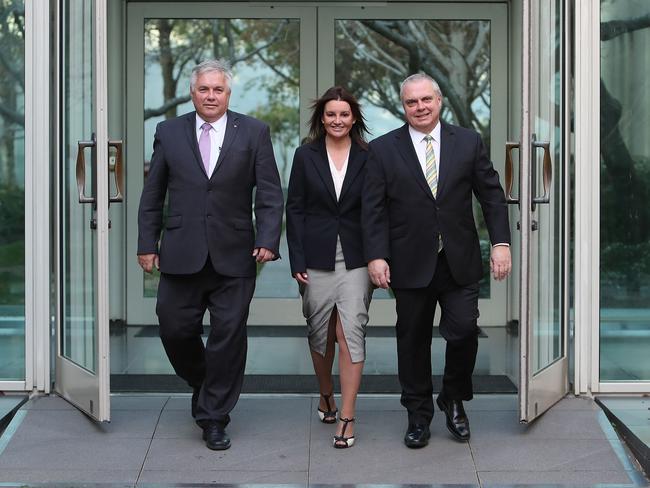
315 218
402 219
211 216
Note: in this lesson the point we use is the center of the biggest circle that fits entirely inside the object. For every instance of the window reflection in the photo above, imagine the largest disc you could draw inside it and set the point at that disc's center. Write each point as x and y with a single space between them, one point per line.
625 191
12 190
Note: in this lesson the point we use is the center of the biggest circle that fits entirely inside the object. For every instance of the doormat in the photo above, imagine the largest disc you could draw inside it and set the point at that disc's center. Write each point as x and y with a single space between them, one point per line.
301 384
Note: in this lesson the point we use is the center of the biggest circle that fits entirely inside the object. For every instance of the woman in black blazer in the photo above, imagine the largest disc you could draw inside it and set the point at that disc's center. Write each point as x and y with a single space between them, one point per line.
325 249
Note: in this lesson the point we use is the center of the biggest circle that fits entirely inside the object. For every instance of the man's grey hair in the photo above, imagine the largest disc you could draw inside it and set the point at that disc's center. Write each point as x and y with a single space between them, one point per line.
419 77
220 65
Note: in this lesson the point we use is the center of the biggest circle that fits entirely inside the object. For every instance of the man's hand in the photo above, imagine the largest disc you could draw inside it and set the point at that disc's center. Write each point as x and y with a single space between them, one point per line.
379 272
262 255
148 261
500 262
301 278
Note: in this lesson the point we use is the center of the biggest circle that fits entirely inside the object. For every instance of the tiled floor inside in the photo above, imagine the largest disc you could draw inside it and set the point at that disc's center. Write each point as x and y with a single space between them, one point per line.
279 440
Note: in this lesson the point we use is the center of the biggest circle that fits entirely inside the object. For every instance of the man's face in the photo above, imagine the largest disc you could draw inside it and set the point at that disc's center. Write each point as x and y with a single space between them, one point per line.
421 105
210 95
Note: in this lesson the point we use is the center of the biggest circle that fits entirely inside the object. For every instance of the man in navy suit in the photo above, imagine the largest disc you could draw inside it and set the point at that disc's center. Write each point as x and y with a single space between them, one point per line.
208 163
421 240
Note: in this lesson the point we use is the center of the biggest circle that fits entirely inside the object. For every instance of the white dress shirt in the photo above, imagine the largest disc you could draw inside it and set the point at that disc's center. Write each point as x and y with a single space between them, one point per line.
338 176
216 137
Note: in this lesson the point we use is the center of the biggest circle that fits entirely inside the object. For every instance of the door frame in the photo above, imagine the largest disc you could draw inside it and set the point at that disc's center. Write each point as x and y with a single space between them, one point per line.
141 310
41 245
38 240
587 201
383 309
314 59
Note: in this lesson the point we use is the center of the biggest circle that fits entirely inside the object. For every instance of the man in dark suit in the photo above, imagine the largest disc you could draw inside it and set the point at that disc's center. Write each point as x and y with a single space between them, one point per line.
207 163
420 239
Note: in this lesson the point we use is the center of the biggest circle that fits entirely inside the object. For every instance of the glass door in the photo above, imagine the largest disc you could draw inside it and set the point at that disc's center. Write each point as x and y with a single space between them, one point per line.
541 216
82 360
272 51
370 50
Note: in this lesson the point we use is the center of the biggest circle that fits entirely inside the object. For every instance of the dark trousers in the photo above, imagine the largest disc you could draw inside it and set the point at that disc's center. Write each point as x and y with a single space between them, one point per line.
218 367
458 326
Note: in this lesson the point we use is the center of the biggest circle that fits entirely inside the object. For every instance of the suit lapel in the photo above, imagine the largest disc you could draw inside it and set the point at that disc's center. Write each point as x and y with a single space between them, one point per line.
447 141
321 162
354 166
190 132
232 125
405 147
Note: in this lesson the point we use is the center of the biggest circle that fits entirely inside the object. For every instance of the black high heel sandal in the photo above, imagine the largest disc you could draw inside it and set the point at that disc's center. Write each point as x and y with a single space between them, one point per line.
340 441
327 416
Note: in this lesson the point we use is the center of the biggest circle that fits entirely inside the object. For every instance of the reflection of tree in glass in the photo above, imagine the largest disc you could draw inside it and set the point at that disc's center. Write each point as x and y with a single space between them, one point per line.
12 139
625 177
269 48
374 56
12 86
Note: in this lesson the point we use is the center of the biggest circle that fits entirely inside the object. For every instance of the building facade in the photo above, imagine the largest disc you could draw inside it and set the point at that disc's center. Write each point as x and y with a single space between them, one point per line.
557 88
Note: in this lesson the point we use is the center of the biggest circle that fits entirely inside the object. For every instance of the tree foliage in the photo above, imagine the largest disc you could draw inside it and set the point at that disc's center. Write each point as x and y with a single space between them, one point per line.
374 56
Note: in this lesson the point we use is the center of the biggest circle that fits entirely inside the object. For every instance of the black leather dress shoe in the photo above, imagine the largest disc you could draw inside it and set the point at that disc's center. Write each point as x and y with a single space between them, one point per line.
457 421
417 435
215 437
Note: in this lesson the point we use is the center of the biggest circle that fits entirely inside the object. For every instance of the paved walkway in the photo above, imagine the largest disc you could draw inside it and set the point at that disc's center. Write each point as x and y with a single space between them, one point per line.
279 440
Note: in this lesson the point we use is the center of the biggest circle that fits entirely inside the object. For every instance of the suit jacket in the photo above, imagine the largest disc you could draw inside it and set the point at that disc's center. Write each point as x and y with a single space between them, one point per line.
402 220
211 216
315 218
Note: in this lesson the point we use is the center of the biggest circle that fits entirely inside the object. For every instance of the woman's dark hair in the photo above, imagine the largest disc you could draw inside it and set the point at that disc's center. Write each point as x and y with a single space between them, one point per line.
316 130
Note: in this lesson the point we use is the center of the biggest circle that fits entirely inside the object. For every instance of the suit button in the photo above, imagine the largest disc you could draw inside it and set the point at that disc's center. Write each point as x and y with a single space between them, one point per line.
208 216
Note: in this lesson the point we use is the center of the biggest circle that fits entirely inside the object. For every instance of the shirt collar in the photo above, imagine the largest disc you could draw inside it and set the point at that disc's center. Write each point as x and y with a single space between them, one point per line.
417 136
217 125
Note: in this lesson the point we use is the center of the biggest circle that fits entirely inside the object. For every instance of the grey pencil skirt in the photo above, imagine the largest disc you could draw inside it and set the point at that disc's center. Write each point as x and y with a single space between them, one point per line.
350 291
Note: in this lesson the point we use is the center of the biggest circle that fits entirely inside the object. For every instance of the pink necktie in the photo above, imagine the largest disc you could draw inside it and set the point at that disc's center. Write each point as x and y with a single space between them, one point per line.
204 146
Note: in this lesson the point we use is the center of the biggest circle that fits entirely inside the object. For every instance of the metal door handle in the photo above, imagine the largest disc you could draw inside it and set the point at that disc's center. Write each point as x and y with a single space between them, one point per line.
547 172
118 170
510 173
81 168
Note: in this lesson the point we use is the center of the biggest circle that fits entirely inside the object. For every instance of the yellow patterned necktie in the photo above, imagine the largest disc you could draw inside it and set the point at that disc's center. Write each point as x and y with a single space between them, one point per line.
431 174
431 171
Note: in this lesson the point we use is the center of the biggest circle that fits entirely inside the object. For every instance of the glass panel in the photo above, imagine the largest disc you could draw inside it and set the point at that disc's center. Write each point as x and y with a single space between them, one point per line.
624 191
547 260
373 56
77 240
266 85
12 190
